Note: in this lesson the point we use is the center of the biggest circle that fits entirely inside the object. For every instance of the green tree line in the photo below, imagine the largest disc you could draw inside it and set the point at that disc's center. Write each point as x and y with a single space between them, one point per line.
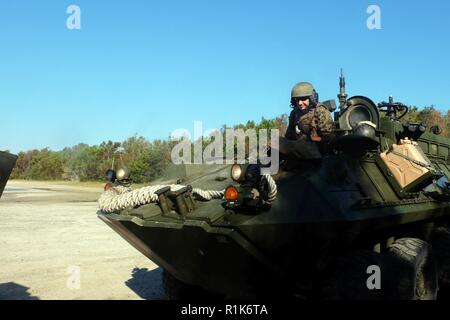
147 160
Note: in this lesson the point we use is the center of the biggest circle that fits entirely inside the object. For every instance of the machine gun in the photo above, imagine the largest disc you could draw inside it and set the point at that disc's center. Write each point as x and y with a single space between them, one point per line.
391 108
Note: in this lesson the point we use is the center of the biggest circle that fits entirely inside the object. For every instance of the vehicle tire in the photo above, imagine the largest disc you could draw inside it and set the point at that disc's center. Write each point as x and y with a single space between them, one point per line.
410 271
441 248
353 275
177 290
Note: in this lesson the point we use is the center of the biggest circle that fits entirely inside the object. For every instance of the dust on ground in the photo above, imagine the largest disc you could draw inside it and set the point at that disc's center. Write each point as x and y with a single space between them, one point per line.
53 246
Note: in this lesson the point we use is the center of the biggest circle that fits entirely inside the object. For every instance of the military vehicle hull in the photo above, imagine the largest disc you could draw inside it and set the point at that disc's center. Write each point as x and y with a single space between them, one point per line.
315 220
7 162
375 198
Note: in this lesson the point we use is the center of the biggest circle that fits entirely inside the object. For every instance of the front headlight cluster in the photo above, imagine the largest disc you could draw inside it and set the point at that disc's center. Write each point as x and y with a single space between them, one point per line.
248 174
247 193
121 177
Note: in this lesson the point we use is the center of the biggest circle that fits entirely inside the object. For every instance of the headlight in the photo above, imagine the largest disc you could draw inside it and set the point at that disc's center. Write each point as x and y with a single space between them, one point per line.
122 174
237 172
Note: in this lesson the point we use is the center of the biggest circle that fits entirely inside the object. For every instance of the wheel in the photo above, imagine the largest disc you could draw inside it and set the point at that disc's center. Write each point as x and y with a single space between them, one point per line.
355 277
178 290
441 248
411 271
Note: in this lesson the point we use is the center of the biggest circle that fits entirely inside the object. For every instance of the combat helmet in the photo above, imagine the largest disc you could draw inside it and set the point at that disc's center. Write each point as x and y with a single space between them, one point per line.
303 89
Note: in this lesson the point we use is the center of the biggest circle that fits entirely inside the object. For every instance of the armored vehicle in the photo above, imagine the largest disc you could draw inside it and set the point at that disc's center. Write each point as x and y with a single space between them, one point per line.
7 162
365 216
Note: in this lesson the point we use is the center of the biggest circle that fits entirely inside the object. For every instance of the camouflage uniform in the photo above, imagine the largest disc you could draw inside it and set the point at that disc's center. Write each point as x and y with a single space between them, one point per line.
316 123
311 124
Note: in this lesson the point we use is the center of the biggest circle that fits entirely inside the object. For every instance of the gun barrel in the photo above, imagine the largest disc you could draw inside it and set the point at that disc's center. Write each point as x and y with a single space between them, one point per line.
342 95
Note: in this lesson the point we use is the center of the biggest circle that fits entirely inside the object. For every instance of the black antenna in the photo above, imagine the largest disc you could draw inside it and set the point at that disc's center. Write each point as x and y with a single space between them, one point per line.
342 95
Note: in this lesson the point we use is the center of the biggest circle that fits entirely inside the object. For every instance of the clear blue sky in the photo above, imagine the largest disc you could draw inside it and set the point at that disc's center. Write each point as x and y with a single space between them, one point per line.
149 67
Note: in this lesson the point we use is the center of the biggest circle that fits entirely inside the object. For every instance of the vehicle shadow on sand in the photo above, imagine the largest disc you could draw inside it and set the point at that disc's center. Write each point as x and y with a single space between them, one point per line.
14 291
146 283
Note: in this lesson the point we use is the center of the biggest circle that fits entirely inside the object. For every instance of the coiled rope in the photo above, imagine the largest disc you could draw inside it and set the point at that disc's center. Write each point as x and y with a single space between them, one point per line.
120 197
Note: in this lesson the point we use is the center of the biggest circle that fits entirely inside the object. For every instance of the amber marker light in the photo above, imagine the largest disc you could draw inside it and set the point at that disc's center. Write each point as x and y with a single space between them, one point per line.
231 194
107 186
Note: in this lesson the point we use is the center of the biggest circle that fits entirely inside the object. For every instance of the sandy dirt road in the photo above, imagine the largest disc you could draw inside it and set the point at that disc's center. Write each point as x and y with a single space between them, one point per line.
53 246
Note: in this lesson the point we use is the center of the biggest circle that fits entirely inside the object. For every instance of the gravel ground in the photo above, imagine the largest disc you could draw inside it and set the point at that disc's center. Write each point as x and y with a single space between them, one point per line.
53 246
